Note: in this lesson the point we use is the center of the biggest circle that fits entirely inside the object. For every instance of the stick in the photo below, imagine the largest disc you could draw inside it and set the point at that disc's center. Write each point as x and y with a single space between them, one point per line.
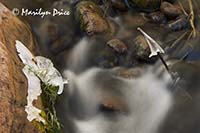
192 18
163 61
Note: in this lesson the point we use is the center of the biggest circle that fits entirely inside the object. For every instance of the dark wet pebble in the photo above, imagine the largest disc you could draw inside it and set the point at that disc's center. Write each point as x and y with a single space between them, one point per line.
146 5
157 17
104 62
142 49
129 73
170 10
117 45
182 22
118 4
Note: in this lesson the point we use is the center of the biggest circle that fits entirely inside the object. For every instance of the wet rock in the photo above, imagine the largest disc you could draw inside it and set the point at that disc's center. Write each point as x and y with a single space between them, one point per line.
186 100
114 28
157 17
27 4
106 59
112 103
142 49
148 5
117 45
105 56
13 84
189 75
111 7
133 20
91 18
180 23
57 33
129 73
118 4
170 10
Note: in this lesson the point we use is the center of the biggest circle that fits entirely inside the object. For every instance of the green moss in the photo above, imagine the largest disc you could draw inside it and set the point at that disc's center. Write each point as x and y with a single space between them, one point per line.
49 95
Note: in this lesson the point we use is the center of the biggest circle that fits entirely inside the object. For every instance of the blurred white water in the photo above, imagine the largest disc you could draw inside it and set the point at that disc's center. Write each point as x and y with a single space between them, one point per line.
147 98
78 60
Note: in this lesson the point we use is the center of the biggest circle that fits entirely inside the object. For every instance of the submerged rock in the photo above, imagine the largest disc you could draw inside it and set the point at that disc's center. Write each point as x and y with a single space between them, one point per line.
129 73
110 102
146 4
189 74
157 17
118 4
106 59
117 45
57 33
180 23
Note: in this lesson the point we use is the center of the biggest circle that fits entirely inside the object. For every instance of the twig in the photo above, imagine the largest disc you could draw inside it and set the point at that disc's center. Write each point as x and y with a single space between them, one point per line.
163 61
106 8
194 32
178 40
155 48
127 3
182 8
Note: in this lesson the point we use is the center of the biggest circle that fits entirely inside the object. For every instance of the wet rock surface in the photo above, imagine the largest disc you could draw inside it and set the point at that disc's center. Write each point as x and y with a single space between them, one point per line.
117 45
91 18
143 50
147 4
186 99
157 17
180 23
170 10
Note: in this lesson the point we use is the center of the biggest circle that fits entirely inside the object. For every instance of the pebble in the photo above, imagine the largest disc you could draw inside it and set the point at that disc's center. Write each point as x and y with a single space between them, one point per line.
170 10
117 45
157 17
180 23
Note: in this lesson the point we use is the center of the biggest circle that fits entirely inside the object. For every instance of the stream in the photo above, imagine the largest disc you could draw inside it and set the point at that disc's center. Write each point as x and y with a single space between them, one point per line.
114 87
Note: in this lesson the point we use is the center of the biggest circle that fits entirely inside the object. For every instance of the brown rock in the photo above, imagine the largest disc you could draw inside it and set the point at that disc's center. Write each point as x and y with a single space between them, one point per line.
157 17
142 48
130 73
91 18
148 5
13 84
110 102
118 4
117 45
170 10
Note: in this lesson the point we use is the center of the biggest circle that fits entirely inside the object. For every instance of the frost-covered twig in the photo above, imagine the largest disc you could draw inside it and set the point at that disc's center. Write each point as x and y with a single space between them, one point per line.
153 45
155 48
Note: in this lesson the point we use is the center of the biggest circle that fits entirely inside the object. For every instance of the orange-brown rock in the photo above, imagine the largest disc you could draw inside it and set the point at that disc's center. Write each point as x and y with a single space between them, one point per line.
13 84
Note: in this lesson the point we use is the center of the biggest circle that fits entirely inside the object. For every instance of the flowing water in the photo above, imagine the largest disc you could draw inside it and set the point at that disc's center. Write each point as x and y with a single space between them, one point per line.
137 105
100 100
